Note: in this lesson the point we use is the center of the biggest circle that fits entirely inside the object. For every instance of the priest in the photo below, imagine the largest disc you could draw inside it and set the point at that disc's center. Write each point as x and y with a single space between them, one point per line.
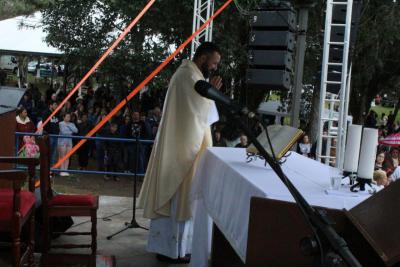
183 135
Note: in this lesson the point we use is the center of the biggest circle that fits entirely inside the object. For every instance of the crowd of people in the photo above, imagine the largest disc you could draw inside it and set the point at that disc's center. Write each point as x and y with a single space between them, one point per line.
140 120
387 167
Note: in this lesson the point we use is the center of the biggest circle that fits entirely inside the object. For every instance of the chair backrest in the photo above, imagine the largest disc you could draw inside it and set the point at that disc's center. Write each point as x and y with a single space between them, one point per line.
30 163
45 185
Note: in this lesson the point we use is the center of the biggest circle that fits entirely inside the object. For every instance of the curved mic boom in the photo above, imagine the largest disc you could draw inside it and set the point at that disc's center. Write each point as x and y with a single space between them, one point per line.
207 90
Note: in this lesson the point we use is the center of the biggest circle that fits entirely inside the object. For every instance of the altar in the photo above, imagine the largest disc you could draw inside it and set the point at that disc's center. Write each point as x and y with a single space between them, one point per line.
225 183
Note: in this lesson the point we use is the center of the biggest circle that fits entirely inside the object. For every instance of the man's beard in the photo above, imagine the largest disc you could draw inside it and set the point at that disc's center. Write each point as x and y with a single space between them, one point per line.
206 72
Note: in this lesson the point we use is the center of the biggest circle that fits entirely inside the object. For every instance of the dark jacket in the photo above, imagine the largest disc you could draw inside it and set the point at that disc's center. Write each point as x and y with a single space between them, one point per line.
112 147
52 126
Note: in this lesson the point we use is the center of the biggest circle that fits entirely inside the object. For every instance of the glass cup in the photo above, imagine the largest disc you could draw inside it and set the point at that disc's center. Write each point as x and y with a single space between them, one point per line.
336 181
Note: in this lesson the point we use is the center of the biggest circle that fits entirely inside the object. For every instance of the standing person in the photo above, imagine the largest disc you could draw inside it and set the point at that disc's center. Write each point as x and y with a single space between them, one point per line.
125 132
184 134
379 161
65 143
395 175
370 120
52 127
112 152
243 141
218 141
83 153
99 143
24 124
384 120
27 103
392 160
136 152
304 147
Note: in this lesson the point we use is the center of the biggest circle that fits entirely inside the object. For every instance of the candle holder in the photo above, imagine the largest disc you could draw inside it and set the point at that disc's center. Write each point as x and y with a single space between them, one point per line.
352 177
361 183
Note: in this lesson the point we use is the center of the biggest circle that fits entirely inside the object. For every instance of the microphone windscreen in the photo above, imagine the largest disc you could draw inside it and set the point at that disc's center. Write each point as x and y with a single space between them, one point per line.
202 87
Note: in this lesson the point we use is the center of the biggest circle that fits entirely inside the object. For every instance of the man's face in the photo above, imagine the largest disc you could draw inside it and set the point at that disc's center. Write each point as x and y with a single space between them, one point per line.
157 112
135 116
84 118
114 128
243 140
210 63
53 106
24 114
217 136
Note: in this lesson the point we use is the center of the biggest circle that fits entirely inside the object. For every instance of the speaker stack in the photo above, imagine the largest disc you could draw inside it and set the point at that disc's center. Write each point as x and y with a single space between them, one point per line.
271 47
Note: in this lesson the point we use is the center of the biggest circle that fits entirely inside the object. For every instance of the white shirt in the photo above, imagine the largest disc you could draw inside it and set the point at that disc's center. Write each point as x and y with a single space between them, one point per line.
305 148
395 162
396 174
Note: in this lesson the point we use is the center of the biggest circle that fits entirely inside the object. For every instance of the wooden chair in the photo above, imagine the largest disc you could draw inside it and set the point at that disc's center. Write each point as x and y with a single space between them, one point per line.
62 206
17 209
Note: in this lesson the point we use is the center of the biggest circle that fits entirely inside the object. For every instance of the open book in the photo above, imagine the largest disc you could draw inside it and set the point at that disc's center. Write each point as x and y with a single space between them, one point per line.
282 137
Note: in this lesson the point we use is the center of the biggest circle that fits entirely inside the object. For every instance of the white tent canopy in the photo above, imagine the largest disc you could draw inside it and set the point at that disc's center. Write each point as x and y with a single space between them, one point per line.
15 39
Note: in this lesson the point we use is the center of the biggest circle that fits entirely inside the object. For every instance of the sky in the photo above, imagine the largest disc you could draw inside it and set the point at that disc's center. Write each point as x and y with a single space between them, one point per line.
15 38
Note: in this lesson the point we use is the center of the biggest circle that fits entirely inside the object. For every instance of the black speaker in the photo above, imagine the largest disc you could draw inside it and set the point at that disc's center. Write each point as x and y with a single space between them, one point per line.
275 59
283 40
273 19
269 79
271 46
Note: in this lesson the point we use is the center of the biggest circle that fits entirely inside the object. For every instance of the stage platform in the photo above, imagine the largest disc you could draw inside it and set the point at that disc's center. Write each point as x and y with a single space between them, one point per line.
129 247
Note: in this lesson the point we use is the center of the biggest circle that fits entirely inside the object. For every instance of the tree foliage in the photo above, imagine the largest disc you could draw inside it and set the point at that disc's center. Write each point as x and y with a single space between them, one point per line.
376 67
83 29
375 56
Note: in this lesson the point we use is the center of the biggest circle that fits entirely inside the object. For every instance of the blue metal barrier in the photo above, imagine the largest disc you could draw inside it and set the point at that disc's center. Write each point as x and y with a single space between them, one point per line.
123 140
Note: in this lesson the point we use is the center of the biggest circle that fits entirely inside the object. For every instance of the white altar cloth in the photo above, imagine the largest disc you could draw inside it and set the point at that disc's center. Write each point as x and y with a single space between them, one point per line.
224 184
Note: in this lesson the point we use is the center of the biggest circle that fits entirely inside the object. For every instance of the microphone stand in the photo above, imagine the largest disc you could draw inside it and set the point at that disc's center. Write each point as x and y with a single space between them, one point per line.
320 223
133 223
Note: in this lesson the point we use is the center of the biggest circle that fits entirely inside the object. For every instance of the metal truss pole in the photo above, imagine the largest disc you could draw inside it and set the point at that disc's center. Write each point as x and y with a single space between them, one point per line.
202 11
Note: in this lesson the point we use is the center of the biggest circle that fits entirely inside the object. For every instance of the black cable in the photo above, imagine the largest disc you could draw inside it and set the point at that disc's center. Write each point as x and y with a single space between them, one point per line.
102 218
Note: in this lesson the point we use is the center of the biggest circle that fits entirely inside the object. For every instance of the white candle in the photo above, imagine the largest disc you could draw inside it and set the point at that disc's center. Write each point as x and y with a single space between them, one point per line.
352 148
368 153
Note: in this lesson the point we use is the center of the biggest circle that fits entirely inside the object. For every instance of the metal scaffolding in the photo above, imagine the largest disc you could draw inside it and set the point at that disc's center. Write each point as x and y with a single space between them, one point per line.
334 106
203 10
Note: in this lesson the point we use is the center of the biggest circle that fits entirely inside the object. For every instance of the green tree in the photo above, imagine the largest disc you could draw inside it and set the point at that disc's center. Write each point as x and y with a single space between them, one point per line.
374 57
83 29
376 65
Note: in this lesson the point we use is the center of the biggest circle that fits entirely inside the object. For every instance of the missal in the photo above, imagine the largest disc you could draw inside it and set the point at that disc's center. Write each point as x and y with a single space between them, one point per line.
283 137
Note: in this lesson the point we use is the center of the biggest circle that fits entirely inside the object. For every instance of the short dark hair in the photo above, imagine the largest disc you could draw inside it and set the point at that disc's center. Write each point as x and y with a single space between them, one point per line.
206 48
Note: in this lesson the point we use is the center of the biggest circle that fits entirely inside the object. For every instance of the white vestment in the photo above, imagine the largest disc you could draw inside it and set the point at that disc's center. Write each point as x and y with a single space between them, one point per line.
188 115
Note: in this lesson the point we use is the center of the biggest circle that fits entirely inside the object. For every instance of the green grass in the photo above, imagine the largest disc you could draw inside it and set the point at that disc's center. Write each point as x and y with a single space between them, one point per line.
274 97
379 110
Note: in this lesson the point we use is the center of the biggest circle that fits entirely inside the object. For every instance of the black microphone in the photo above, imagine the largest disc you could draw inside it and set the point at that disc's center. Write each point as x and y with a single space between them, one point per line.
206 90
